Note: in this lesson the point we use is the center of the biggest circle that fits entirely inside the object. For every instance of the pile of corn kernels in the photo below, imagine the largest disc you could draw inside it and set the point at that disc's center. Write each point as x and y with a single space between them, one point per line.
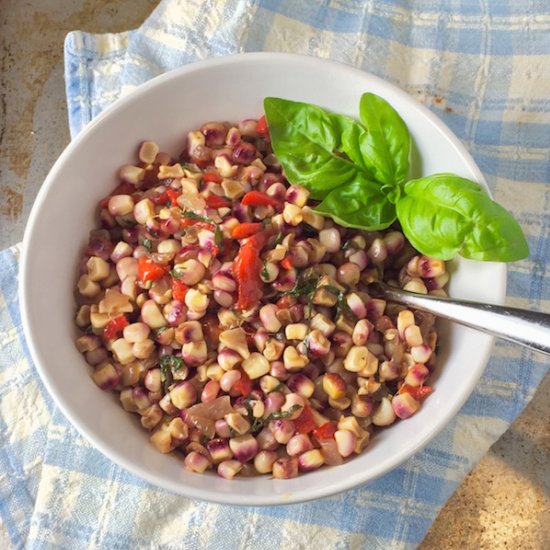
236 322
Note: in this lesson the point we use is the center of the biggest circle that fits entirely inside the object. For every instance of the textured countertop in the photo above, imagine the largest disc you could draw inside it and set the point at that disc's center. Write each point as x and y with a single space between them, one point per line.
503 503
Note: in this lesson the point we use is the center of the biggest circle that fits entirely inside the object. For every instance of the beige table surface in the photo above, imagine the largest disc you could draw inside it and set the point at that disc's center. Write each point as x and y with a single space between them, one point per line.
503 503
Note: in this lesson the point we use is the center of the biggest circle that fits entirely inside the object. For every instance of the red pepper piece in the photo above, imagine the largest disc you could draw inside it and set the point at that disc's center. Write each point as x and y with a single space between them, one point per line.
246 229
114 327
418 392
247 268
243 385
173 195
261 126
212 176
179 290
148 270
215 201
326 430
305 423
286 263
257 198
188 222
168 196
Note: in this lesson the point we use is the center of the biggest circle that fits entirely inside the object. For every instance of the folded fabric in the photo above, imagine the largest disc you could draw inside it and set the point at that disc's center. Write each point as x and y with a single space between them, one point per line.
482 68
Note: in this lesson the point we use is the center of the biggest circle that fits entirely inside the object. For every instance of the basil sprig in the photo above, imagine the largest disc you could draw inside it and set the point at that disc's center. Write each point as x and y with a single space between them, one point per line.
359 172
443 215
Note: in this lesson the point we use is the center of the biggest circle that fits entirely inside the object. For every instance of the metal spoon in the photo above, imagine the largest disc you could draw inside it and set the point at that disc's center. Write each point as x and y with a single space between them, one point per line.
527 328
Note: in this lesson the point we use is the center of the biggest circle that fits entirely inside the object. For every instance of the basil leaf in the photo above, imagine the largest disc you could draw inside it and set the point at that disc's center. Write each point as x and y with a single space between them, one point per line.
385 145
306 139
351 135
360 204
444 214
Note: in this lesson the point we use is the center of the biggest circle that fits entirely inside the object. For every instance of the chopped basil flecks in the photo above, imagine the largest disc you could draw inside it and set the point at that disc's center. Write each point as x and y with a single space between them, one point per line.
148 244
172 362
342 306
177 273
218 237
283 414
265 273
189 214
305 285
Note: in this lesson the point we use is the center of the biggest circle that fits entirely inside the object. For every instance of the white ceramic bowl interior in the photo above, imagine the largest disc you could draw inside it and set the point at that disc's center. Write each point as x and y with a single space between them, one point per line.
163 110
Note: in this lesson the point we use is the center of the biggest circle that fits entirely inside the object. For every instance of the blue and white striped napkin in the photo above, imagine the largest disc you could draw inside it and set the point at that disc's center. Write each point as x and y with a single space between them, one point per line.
483 68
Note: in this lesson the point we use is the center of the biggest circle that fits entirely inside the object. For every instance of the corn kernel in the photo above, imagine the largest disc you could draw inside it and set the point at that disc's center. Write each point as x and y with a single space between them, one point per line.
356 358
405 319
151 416
87 287
324 297
136 332
256 365
237 422
345 442
416 285
235 339
413 336
323 324
148 152
350 423
384 415
170 171
294 360
120 205
269 383
273 349
162 441
334 385
214 372
233 189
361 442
105 376
151 315
296 331
195 300
310 460
340 404
99 320
224 167
143 349
312 218
292 214
122 350
83 316
277 254
98 268
131 174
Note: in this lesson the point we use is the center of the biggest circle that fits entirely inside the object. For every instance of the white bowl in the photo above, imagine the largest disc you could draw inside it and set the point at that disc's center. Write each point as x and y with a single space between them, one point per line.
163 110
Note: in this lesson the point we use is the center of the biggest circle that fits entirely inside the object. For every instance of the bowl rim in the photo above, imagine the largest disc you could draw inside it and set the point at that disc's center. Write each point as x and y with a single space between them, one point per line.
204 493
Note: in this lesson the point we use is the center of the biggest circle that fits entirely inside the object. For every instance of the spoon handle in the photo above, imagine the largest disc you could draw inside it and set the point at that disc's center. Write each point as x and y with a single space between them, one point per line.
527 328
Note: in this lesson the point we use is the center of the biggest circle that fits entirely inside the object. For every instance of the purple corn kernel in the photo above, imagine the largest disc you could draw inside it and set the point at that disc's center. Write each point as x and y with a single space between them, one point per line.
244 447
219 450
244 152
